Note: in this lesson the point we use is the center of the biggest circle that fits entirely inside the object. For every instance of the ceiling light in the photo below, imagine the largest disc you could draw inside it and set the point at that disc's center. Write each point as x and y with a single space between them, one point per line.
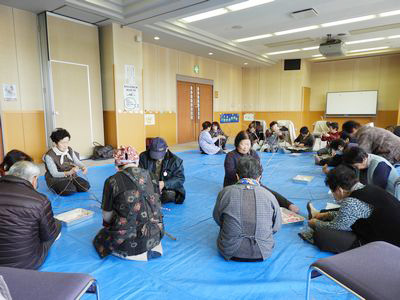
368 49
394 37
246 64
247 4
317 55
346 21
390 13
210 53
156 38
365 41
252 38
297 30
310 48
205 15
282 52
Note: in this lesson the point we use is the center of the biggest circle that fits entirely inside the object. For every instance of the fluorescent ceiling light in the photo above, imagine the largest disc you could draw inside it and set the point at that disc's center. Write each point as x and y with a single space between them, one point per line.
252 38
394 37
346 21
283 52
368 49
296 30
156 38
210 53
317 55
390 13
247 4
365 41
205 15
310 48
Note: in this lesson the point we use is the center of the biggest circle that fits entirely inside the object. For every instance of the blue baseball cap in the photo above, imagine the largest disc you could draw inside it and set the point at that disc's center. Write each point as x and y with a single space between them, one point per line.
158 147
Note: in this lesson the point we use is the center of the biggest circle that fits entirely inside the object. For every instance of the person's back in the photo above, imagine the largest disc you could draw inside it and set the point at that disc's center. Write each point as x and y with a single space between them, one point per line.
26 224
248 216
379 141
384 222
380 170
132 215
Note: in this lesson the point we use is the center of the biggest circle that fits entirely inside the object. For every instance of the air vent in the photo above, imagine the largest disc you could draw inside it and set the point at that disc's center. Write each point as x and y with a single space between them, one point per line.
304 14
289 43
375 29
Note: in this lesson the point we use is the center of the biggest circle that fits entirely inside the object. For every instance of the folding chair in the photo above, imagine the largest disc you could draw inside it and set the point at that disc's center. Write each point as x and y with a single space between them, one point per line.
369 272
31 284
290 126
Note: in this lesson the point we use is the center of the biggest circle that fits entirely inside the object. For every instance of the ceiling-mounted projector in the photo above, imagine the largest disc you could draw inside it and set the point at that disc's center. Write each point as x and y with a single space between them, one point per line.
332 47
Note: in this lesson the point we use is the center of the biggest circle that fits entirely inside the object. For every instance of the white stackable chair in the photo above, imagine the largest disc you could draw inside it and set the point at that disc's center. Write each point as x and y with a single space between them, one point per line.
371 124
320 127
289 125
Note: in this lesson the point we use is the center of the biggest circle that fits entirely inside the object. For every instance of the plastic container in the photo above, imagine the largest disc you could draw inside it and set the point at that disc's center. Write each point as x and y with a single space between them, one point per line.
74 216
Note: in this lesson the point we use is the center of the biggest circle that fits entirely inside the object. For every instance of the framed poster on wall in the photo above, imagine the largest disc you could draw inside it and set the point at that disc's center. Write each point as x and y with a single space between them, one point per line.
229 118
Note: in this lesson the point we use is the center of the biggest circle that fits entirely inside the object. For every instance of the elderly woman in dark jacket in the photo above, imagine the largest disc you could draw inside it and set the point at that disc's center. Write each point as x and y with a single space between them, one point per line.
243 148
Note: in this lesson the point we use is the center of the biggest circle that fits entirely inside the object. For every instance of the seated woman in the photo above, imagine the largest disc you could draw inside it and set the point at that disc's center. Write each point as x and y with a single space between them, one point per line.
243 149
248 215
272 137
62 165
217 131
330 136
11 158
132 218
255 137
206 142
374 169
305 139
367 214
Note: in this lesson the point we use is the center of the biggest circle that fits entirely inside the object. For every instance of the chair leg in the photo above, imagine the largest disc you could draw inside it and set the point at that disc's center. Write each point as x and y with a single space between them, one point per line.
97 290
310 270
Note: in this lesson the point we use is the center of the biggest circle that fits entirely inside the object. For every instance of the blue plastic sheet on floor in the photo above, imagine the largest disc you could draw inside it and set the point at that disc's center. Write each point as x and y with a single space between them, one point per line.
191 267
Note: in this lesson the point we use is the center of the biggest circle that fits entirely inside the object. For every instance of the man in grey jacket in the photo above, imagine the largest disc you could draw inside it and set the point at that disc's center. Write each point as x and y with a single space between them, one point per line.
248 216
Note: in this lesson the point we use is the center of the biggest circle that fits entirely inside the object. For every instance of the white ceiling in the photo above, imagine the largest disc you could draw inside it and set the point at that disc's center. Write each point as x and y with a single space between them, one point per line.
162 18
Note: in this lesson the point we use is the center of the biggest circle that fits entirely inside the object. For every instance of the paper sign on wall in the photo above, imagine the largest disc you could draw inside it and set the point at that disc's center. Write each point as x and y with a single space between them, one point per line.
129 74
131 97
248 117
149 119
9 92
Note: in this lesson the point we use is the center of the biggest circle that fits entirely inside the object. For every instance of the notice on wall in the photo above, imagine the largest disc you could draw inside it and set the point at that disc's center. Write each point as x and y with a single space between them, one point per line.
129 75
248 117
131 98
9 92
149 119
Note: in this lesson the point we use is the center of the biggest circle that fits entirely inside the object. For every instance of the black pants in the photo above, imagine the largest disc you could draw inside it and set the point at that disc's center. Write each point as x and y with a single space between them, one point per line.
47 245
283 202
68 185
335 241
221 143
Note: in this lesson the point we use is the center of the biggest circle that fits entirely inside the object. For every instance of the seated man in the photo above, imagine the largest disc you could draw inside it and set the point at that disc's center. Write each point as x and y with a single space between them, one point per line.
27 226
305 139
375 140
167 168
374 169
132 218
248 215
336 149
367 213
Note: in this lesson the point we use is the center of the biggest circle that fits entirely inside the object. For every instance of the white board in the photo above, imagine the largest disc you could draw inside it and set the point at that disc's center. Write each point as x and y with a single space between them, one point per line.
363 103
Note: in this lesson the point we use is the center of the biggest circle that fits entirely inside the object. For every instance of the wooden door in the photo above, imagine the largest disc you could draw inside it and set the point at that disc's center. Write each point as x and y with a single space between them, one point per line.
195 106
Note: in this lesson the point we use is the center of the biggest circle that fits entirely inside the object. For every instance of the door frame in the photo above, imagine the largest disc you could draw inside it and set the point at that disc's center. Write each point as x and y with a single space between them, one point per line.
192 80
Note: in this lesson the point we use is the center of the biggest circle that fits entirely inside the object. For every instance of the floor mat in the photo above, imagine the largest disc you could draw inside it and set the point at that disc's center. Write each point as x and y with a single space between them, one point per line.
191 267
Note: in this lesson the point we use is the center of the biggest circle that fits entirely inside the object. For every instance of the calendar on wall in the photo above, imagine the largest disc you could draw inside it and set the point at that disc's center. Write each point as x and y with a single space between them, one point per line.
229 118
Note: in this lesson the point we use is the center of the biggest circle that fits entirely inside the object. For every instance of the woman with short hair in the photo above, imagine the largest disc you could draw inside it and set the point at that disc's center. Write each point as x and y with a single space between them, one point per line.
217 131
206 142
11 158
62 165
243 149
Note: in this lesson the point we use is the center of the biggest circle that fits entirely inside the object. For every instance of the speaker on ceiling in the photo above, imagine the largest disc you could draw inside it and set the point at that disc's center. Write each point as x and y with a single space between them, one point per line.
292 64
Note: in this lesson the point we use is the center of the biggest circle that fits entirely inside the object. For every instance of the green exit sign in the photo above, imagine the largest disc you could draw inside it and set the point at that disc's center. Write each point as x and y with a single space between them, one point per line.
196 69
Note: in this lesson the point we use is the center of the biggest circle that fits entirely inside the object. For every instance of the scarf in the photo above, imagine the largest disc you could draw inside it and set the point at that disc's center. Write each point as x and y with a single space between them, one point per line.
62 154
248 181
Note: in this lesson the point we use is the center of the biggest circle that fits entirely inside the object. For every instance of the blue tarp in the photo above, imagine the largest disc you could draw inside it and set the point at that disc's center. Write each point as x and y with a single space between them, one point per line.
191 267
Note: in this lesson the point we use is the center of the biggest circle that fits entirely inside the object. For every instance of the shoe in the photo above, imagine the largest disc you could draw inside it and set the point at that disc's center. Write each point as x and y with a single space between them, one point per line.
312 212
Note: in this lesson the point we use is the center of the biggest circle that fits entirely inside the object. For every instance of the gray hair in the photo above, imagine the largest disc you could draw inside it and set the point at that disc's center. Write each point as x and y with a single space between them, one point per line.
25 170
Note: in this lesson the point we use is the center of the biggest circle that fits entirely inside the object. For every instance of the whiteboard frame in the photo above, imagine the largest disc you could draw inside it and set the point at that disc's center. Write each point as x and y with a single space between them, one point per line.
352 115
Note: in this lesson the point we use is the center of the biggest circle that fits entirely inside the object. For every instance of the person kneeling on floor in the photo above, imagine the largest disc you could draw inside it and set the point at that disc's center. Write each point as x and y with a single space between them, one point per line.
62 164
132 219
167 168
27 226
207 143
248 216
367 214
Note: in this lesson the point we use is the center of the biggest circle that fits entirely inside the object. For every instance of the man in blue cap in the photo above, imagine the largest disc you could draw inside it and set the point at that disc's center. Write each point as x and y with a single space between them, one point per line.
167 169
